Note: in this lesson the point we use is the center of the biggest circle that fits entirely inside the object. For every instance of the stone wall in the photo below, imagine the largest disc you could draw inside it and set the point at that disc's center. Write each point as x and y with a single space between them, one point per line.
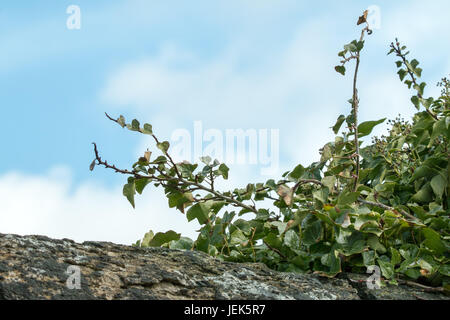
37 267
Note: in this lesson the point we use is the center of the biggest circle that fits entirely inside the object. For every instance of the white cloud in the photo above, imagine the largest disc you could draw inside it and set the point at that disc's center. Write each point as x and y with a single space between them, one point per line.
292 91
384 96
420 23
50 205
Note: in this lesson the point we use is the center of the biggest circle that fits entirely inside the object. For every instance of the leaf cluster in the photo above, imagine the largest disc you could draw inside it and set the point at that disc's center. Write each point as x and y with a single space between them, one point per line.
328 217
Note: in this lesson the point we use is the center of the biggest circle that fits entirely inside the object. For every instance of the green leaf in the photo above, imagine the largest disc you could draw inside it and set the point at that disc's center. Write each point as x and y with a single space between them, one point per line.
160 159
147 238
368 258
438 184
302 261
395 256
129 190
439 129
408 83
273 240
182 244
374 243
363 218
312 233
326 153
198 211
351 46
360 45
423 171
351 243
206 160
292 239
202 243
402 73
421 87
180 200
347 198
163 146
413 273
297 172
340 69
325 218
433 241
414 63
445 270
228 217
161 238
321 195
121 121
147 129
137 243
387 269
140 184
186 169
332 261
329 182
427 102
339 122
223 171
386 189
244 226
366 128
416 102
424 195
135 125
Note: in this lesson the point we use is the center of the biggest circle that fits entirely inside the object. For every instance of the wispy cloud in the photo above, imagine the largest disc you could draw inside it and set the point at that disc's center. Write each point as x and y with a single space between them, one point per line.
51 205
294 87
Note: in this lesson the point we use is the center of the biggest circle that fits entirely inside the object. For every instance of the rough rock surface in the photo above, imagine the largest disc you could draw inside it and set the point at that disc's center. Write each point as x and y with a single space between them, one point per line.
37 267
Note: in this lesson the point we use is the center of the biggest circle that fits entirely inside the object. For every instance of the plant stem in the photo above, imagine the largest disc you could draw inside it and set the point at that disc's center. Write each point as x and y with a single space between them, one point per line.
399 53
385 207
355 104
179 179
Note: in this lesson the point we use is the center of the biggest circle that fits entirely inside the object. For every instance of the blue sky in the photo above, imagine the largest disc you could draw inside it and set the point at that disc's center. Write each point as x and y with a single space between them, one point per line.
230 64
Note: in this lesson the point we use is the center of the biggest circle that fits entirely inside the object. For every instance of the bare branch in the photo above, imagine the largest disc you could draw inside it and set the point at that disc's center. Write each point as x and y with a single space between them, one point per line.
398 51
385 207
179 179
275 250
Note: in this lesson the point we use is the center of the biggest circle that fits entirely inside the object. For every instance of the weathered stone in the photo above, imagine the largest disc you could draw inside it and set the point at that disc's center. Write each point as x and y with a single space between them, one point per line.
36 267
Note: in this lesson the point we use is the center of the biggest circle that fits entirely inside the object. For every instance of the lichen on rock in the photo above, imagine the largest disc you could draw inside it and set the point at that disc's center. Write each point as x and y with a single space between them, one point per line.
37 267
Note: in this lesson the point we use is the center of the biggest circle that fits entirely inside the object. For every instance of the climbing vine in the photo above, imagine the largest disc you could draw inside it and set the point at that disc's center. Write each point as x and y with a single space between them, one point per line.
386 204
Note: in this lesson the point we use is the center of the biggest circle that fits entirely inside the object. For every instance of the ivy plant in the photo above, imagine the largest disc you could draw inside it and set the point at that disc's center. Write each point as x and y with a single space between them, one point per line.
385 204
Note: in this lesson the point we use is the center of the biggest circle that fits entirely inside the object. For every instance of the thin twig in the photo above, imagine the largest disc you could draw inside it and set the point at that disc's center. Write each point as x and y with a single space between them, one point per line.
275 250
179 179
157 142
106 165
421 286
355 103
301 181
385 207
398 51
